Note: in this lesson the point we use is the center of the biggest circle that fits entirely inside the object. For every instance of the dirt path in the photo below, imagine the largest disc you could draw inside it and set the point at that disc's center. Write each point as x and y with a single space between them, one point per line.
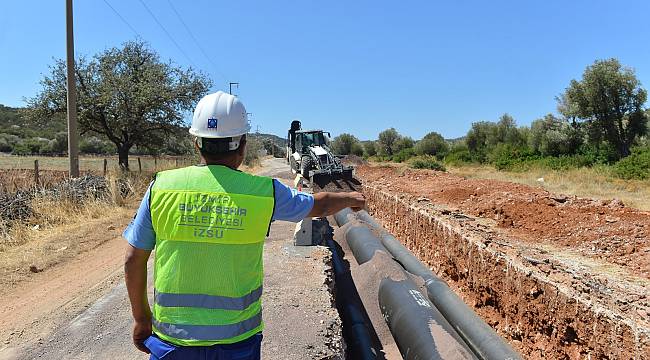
78 309
33 308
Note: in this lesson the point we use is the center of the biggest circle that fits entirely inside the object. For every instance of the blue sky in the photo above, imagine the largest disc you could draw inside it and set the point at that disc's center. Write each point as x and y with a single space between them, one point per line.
351 66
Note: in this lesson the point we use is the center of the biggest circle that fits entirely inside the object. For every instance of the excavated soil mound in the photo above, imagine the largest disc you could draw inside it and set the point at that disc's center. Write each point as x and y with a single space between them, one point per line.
604 230
353 160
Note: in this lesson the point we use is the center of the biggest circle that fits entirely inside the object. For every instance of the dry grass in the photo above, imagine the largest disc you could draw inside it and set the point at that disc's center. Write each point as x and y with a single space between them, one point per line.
48 246
93 163
61 230
595 182
50 214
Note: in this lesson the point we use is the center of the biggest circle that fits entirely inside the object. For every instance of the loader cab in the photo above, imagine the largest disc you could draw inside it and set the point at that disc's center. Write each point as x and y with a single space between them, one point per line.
307 138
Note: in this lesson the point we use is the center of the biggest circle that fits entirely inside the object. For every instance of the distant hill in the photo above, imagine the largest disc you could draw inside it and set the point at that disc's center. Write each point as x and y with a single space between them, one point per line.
12 122
279 141
456 140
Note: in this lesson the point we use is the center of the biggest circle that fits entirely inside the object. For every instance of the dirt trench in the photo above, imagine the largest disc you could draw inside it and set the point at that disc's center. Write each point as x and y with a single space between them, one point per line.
547 302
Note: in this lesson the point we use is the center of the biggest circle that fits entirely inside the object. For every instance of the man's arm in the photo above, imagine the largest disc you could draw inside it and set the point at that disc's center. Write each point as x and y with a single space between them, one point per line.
328 203
135 274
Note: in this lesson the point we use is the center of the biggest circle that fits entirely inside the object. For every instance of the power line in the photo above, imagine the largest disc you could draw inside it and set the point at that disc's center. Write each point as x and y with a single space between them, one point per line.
167 33
122 18
180 18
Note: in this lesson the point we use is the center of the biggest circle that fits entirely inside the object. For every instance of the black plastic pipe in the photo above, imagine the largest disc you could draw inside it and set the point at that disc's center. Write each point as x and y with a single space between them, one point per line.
480 337
359 341
418 328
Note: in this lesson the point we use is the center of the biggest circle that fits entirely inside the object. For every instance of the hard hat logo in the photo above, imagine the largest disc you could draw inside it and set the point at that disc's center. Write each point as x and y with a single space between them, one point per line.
219 115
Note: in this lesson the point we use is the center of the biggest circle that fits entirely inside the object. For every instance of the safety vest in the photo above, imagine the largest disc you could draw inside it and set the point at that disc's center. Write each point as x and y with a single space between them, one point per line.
210 224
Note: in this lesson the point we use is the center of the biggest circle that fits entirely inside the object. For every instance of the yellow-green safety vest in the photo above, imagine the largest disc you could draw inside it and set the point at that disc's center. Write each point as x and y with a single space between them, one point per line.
210 224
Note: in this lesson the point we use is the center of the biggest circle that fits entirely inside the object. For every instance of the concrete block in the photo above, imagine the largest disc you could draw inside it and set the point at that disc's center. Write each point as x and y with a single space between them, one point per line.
302 236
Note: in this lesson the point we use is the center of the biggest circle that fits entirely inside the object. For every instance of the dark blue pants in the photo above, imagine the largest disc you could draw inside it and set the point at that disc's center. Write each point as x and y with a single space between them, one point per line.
248 349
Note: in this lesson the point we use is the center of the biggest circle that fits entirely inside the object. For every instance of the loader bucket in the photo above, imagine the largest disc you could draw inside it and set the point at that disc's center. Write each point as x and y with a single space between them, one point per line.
347 174
323 178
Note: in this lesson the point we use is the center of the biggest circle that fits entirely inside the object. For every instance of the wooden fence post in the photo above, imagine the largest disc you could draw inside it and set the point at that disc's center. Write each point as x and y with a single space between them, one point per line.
155 163
139 165
176 160
105 167
36 177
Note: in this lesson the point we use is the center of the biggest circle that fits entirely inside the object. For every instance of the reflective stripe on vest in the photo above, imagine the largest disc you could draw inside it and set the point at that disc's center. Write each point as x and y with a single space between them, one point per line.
210 223
208 301
208 332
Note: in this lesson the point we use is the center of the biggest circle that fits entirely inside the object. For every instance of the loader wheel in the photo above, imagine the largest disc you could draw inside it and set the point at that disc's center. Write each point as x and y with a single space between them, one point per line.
307 165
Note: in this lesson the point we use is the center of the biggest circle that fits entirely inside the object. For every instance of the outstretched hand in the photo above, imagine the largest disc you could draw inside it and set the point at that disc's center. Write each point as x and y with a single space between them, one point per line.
329 203
357 201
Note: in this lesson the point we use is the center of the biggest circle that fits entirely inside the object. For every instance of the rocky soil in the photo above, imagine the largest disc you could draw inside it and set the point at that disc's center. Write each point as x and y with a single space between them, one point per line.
558 276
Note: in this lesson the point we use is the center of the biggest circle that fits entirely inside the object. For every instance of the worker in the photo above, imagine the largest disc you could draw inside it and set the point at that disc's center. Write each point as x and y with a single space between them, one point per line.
208 224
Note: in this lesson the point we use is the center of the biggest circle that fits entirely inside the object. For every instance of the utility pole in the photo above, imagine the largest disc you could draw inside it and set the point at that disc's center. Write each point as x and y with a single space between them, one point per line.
249 116
230 86
73 135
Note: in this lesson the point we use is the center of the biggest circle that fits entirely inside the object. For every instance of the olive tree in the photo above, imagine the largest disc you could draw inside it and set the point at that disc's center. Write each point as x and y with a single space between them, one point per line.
608 100
552 136
432 144
344 144
369 148
386 141
127 95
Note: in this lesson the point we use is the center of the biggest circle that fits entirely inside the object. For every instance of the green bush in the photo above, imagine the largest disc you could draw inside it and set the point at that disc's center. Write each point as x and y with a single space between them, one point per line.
404 155
95 145
32 146
59 145
635 166
564 162
426 162
603 154
511 158
519 160
458 155
5 146
252 153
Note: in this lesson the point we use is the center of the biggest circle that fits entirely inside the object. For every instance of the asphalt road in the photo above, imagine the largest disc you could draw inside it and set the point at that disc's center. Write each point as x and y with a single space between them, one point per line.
300 321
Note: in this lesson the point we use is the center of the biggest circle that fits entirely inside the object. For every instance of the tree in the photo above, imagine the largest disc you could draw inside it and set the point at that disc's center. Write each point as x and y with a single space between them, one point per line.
369 148
386 141
551 136
479 138
357 149
403 143
59 145
344 143
506 132
432 144
609 100
126 95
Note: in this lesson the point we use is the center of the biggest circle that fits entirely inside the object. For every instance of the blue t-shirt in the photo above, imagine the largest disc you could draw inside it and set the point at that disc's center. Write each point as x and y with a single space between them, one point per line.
290 205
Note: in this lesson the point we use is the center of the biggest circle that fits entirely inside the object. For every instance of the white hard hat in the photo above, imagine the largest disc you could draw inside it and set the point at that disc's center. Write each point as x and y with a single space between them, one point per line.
219 115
